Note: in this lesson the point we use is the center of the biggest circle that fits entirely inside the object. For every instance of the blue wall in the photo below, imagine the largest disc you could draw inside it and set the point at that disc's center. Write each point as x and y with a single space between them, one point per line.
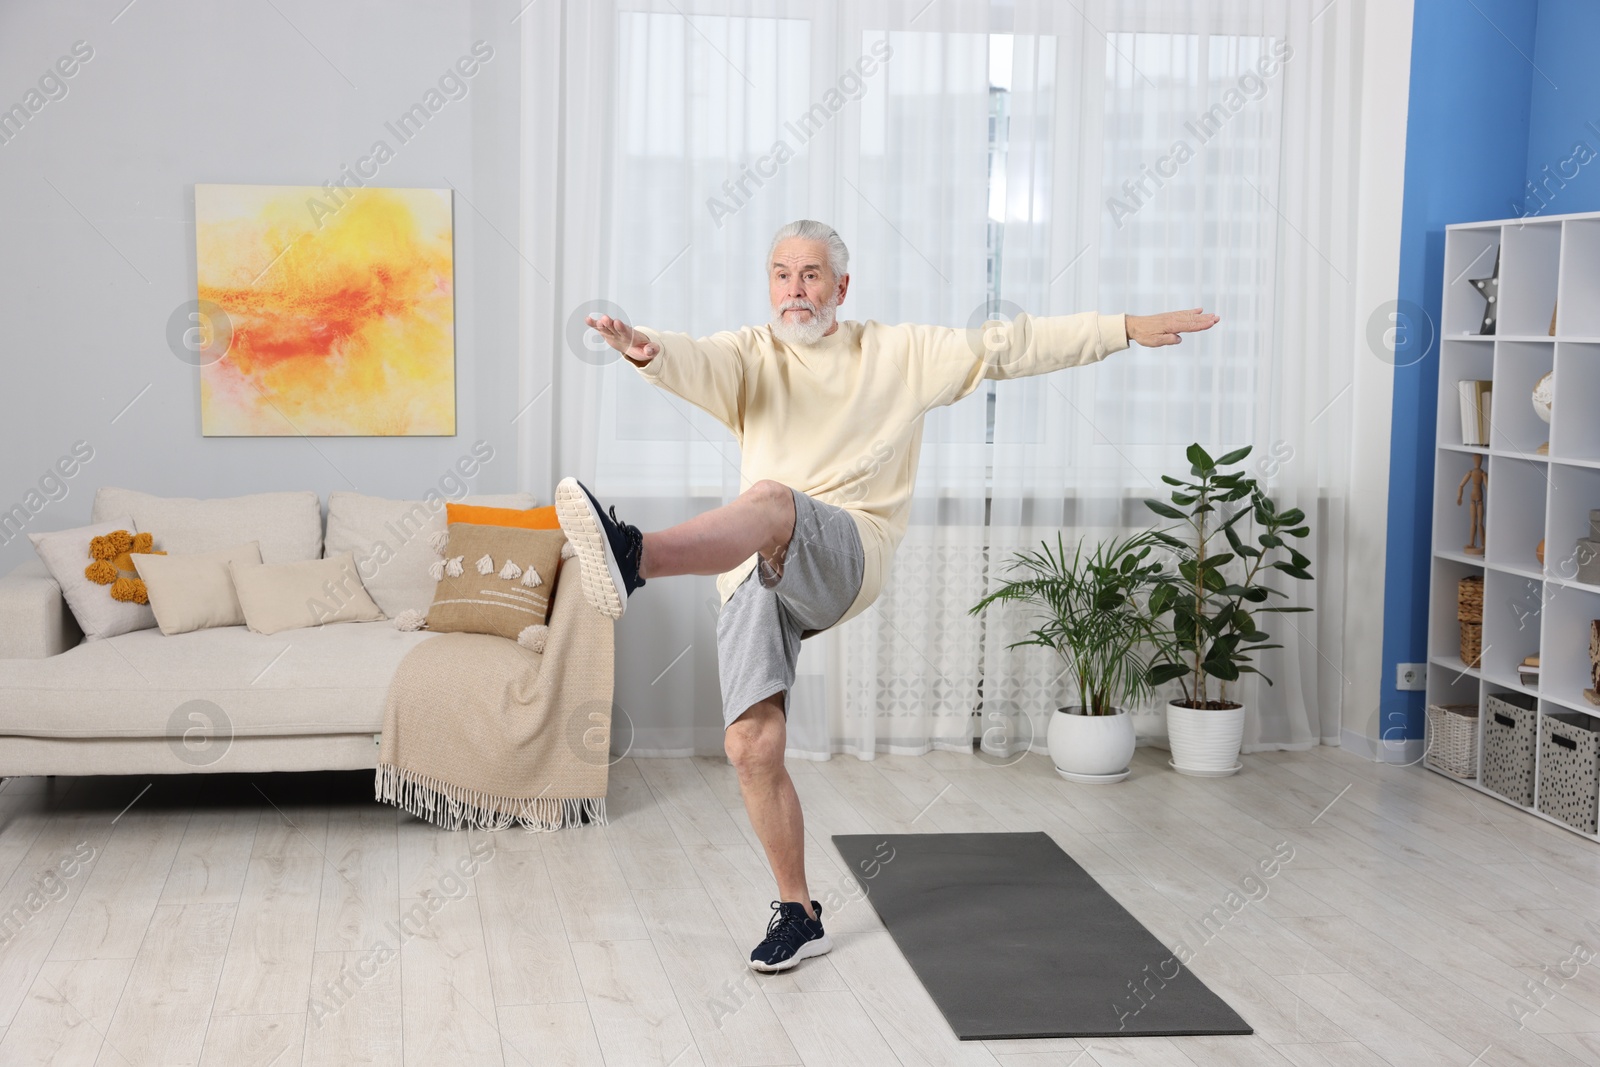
1467 148
1564 120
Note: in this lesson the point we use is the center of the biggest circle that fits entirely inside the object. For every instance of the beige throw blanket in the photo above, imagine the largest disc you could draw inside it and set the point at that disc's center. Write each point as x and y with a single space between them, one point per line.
480 732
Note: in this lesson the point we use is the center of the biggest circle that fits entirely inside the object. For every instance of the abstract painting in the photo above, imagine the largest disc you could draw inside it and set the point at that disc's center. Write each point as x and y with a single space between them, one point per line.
338 309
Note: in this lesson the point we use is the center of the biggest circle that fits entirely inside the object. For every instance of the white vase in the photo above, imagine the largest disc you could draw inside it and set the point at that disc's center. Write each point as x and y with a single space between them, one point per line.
1205 741
1091 748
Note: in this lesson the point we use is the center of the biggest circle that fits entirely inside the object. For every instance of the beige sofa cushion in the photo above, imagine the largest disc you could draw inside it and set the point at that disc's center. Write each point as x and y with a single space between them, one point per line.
288 596
66 554
288 525
192 592
318 680
389 539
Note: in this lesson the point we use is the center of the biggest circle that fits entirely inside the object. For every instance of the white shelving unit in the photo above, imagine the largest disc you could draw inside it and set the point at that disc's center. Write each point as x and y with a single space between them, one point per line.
1548 264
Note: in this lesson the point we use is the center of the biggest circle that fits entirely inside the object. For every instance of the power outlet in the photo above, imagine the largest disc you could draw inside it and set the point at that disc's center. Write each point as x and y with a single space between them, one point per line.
1411 676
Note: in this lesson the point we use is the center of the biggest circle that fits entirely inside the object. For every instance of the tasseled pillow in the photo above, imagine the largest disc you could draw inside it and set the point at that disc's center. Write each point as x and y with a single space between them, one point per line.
497 580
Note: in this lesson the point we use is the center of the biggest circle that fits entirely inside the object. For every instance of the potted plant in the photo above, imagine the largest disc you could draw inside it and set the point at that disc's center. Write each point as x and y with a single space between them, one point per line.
1213 602
1096 616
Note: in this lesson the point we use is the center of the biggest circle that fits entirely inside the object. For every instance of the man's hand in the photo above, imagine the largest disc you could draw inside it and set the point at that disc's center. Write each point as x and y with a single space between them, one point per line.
624 338
1153 331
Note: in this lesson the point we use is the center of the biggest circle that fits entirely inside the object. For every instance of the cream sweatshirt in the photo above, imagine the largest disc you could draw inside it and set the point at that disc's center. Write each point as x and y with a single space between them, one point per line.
841 420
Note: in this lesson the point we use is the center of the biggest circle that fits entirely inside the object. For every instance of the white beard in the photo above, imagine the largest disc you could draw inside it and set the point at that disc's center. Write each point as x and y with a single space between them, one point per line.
806 333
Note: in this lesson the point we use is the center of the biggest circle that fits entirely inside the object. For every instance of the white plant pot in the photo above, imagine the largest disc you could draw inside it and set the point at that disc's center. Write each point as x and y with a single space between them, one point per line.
1205 741
1091 748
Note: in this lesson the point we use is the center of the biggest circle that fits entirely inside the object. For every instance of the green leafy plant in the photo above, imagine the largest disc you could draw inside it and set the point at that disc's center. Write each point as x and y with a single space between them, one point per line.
1216 595
1095 613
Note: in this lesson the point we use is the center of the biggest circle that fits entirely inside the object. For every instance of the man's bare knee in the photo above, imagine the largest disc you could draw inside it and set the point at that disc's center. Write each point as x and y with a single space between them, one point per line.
755 740
774 496
777 500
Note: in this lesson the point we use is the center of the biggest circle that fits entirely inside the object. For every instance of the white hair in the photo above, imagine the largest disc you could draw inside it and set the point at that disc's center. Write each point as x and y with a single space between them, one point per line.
809 230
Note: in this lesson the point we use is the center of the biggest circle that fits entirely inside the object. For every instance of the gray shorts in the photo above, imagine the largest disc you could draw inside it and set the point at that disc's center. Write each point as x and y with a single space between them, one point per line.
760 628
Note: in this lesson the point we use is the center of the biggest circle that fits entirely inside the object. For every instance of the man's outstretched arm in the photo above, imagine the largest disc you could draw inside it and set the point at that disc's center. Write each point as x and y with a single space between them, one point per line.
948 364
708 373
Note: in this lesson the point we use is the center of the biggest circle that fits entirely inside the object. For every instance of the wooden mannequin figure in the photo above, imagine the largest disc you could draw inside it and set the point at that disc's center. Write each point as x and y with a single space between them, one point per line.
1478 477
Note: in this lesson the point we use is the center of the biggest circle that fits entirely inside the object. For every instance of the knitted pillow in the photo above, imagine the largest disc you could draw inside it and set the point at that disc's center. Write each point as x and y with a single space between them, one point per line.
495 580
111 563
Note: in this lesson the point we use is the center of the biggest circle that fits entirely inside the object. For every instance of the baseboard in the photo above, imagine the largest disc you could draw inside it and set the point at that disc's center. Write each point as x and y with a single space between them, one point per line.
1385 750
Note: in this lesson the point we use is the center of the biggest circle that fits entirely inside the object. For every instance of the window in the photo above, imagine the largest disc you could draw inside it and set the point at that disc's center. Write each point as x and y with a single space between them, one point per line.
1179 224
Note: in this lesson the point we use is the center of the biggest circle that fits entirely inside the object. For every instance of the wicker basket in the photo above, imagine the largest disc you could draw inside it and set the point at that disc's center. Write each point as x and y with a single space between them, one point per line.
1453 739
1469 612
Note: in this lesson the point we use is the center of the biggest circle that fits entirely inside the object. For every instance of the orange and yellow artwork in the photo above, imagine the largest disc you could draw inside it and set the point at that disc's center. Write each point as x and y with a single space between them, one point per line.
336 314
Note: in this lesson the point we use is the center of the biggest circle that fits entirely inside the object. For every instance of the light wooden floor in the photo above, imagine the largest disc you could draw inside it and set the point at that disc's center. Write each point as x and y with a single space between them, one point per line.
244 920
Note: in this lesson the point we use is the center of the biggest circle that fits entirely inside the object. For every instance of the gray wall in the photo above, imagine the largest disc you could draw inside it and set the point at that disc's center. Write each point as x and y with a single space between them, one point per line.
97 217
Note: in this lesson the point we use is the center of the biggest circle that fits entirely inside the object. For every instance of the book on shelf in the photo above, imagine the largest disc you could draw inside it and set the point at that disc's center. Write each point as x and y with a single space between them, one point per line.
1475 399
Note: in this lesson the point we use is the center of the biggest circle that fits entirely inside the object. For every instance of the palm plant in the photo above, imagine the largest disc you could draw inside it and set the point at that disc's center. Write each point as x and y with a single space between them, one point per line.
1094 613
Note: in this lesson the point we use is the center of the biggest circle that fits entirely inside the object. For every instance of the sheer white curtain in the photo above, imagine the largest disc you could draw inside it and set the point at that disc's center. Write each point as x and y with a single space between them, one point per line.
913 176
966 152
1201 155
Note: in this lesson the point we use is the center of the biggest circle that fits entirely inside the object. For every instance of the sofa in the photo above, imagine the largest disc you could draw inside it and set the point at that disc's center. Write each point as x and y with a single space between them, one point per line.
226 698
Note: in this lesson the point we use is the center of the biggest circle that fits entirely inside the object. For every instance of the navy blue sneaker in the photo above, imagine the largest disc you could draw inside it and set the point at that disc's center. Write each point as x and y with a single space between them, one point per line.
608 548
791 937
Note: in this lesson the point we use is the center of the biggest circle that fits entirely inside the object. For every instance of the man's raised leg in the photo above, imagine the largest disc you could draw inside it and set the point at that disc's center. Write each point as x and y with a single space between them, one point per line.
761 519
618 558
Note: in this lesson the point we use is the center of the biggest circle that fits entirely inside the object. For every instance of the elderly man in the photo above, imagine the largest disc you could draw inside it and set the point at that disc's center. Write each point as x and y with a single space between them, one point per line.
828 416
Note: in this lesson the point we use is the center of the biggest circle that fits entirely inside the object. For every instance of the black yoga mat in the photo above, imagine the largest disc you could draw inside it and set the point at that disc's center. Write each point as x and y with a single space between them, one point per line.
1013 939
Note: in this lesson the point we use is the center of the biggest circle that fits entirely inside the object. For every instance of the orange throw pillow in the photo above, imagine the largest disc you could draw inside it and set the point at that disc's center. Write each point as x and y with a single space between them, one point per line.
478 515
